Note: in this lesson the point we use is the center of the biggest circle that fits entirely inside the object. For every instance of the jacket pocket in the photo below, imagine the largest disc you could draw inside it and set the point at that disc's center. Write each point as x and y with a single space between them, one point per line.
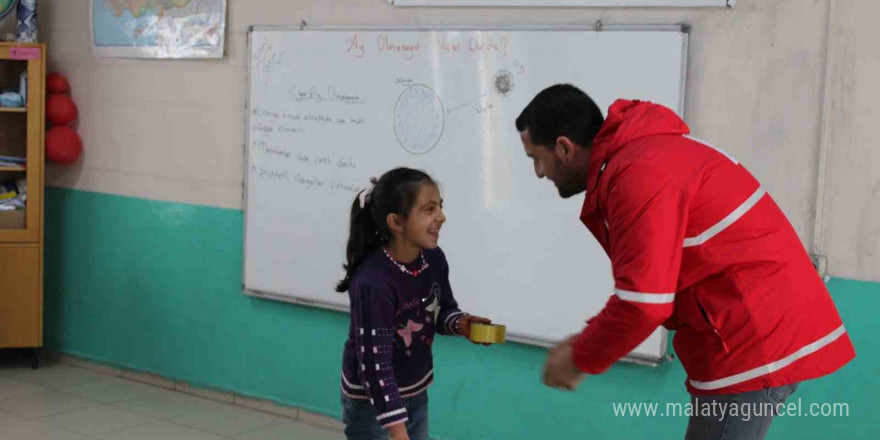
708 319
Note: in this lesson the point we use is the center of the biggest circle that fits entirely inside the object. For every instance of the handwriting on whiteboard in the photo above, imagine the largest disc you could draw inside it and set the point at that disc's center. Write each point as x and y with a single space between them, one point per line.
266 122
330 95
357 45
266 59
305 181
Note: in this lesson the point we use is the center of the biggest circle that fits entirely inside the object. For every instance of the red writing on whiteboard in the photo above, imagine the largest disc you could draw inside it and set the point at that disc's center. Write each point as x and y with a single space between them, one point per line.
355 47
408 50
448 46
488 43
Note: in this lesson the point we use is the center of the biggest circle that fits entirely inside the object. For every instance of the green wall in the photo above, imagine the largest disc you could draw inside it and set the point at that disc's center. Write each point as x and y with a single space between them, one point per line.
155 286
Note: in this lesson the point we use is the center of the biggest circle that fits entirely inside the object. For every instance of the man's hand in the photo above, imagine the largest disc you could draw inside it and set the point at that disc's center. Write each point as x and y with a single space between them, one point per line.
560 371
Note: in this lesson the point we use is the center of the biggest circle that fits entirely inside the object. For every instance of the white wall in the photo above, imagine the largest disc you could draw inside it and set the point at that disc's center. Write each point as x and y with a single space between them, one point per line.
175 130
167 130
849 219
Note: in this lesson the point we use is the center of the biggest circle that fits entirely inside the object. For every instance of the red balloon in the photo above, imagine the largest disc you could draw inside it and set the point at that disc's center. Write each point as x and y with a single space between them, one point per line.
60 110
63 145
57 83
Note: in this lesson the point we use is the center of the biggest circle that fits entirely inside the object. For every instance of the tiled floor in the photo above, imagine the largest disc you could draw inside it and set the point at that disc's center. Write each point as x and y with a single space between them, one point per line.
63 402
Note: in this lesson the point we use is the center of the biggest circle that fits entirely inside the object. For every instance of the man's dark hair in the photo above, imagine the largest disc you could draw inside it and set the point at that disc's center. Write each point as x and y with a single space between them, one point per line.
561 110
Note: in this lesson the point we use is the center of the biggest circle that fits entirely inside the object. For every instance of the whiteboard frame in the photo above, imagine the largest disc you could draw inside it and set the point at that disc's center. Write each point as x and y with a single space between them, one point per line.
597 27
569 3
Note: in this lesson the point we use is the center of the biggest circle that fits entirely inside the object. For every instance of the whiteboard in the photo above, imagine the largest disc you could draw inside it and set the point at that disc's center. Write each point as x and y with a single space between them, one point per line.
567 3
329 108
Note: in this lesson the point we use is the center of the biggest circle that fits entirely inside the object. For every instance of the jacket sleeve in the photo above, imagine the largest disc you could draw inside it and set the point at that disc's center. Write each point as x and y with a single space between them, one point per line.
372 311
450 314
646 216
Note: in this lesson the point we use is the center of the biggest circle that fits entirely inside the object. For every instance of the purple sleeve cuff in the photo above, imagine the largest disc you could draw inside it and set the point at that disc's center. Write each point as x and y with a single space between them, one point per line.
392 417
451 323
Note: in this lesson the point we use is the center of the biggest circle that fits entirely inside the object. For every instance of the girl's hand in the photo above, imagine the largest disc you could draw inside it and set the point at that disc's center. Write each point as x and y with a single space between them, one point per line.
398 432
464 325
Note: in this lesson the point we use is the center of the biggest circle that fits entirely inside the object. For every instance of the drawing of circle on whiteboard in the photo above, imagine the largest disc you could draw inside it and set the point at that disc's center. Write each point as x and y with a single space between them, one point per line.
503 82
418 119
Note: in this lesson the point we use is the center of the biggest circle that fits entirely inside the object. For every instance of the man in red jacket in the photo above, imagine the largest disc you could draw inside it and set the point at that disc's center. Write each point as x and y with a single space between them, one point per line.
697 246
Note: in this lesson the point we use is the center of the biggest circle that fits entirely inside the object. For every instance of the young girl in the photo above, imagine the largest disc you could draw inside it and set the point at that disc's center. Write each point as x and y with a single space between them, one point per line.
398 282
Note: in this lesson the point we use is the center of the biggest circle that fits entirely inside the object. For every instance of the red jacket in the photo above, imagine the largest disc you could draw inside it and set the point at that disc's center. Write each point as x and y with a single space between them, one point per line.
698 246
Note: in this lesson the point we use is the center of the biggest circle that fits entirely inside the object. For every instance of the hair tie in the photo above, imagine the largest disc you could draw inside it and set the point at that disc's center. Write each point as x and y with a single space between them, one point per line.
365 195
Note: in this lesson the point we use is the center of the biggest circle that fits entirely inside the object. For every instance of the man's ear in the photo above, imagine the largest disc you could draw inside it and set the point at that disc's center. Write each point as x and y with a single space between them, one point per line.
565 149
395 223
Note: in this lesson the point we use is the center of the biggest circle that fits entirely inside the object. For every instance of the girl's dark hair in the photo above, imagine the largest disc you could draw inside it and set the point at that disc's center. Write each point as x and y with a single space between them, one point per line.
395 193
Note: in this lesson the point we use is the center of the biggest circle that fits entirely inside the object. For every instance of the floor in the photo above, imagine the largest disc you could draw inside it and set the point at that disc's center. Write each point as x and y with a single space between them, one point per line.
63 402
